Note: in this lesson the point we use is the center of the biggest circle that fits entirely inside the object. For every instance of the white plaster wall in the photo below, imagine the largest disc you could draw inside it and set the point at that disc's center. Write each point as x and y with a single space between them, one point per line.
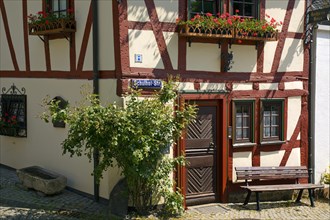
144 42
292 56
213 86
294 111
269 51
297 17
36 46
185 86
81 12
293 85
6 63
276 9
15 23
272 158
242 86
203 57
106 32
322 106
241 159
60 54
167 11
294 158
172 40
137 11
268 86
242 62
42 146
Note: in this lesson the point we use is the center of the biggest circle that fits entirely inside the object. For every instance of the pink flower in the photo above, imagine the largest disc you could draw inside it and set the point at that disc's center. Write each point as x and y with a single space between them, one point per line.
229 21
208 14
236 11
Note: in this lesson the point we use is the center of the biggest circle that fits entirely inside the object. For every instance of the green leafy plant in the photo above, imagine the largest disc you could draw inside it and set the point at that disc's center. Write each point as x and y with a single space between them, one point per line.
43 17
325 178
136 137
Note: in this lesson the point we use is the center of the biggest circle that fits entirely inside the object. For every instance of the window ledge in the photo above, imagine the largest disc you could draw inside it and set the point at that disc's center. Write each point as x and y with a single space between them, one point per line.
272 142
245 145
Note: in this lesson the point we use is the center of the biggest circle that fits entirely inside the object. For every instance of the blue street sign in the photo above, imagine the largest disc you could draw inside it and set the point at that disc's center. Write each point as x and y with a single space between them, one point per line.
146 83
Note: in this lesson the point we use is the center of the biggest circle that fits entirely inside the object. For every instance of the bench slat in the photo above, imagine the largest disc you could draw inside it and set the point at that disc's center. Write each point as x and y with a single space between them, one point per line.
271 168
290 172
263 188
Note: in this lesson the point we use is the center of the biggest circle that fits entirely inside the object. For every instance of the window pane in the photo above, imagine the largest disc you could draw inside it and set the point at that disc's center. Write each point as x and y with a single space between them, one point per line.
63 5
196 6
238 120
267 132
266 113
248 10
55 5
275 120
239 7
266 121
275 131
246 133
238 134
210 6
246 121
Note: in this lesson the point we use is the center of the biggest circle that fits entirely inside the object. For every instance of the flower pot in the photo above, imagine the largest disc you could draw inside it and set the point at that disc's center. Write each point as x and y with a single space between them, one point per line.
53 27
217 32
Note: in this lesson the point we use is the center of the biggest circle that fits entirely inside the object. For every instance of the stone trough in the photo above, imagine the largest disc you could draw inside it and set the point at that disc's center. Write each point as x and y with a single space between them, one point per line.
42 180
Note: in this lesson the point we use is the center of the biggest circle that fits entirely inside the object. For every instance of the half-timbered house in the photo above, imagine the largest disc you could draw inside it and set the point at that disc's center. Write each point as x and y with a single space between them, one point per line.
252 93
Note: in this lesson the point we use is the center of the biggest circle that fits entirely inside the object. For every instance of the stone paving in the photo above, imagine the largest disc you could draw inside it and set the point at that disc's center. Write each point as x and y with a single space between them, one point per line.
19 203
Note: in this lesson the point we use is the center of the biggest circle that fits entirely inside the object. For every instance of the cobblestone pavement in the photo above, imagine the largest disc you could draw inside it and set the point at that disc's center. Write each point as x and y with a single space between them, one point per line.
18 203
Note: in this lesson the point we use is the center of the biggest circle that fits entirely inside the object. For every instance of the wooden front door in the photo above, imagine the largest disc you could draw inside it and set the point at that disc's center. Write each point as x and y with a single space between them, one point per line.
201 153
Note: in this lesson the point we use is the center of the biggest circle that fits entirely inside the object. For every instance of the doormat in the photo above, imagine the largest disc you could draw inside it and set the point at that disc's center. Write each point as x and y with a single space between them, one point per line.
211 209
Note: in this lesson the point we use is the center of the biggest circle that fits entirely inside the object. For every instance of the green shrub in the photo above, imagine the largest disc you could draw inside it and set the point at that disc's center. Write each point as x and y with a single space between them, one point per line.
136 137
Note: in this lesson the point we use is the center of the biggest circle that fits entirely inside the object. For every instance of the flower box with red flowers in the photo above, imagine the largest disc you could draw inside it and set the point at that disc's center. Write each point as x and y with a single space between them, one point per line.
206 26
229 26
49 23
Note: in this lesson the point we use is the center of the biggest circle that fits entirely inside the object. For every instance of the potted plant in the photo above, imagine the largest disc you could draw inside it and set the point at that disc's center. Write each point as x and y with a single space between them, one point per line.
254 29
229 26
207 25
44 23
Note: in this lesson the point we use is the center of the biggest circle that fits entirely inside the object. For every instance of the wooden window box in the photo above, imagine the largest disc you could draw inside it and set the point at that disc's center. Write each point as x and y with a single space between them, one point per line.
59 26
193 31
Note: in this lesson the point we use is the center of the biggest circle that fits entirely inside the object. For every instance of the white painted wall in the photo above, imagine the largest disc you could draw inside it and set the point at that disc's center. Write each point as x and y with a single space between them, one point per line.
42 146
322 98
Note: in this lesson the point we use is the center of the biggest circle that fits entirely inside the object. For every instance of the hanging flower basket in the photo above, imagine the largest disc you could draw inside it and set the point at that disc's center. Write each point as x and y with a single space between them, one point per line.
256 36
53 27
8 131
216 32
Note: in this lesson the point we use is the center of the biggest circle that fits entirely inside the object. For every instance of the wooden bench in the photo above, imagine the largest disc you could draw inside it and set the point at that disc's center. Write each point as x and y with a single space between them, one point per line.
249 174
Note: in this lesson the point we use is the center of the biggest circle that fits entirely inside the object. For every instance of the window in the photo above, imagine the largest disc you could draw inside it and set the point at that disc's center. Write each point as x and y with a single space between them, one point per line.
13 115
202 7
272 120
246 8
243 122
58 7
